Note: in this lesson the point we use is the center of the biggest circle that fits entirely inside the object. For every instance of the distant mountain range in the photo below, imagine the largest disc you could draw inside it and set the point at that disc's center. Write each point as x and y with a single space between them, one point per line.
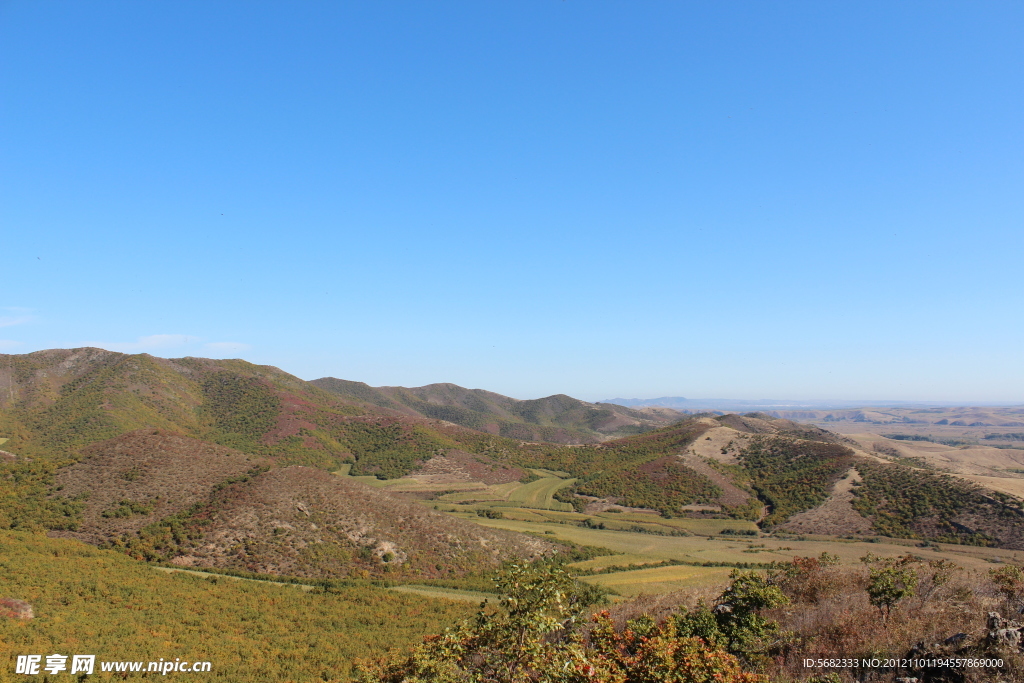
768 405
557 419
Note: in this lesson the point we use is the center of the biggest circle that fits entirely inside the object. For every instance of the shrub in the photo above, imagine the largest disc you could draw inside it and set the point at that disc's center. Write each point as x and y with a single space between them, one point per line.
1009 581
736 623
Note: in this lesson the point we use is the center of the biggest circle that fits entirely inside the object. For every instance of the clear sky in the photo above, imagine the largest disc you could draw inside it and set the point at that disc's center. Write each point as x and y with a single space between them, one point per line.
633 198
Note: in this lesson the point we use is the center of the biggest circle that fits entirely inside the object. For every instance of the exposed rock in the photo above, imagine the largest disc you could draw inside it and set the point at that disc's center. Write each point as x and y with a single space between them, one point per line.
955 639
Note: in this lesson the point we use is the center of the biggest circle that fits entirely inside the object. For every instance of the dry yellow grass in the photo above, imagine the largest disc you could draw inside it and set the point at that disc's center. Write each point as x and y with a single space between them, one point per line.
1014 486
973 460
715 440
446 593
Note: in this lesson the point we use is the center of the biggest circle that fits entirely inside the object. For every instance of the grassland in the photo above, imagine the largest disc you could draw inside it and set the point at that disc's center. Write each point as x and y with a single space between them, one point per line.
537 494
701 556
660 579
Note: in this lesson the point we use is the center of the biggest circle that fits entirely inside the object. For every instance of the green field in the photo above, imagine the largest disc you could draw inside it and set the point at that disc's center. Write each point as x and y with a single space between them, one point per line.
661 579
550 473
344 470
478 494
538 494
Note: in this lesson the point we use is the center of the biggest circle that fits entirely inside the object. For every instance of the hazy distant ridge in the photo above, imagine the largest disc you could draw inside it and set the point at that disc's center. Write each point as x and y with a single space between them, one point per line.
742 405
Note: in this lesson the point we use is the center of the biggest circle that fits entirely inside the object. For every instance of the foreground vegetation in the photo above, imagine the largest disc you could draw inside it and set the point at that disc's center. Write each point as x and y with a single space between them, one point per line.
764 626
537 633
90 601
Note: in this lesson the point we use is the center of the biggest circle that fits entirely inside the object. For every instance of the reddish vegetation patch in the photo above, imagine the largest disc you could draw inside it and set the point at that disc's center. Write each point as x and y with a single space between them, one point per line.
164 473
15 609
661 468
292 419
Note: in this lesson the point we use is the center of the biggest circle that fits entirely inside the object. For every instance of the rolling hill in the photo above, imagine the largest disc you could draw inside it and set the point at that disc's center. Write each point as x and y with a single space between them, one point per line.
228 464
554 419
171 498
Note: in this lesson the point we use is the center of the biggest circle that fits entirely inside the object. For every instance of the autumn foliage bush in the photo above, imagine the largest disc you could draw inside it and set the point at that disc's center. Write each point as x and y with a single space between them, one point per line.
538 634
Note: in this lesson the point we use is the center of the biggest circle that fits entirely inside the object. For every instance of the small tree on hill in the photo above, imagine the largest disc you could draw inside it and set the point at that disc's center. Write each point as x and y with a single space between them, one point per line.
890 582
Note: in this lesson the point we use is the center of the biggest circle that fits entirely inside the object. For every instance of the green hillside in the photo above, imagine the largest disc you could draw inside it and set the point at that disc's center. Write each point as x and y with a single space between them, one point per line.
60 401
154 456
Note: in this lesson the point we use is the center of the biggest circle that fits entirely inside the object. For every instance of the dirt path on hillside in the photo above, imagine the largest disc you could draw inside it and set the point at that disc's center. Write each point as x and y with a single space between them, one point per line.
835 516
170 570
731 494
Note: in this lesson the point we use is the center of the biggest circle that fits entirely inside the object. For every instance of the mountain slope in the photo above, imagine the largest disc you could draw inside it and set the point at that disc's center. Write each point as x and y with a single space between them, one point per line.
54 403
556 419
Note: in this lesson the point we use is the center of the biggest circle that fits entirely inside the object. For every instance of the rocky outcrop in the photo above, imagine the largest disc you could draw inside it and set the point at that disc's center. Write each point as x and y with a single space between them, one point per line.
999 637
1004 632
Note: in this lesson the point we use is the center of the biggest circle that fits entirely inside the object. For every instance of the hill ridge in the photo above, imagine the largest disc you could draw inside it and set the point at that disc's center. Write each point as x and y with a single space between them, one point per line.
558 418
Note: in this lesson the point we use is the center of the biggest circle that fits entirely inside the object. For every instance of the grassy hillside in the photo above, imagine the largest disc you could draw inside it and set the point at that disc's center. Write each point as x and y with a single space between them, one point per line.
159 457
171 498
907 503
60 401
91 601
793 475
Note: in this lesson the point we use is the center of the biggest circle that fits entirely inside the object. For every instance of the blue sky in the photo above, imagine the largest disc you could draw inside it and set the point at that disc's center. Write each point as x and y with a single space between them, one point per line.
637 199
